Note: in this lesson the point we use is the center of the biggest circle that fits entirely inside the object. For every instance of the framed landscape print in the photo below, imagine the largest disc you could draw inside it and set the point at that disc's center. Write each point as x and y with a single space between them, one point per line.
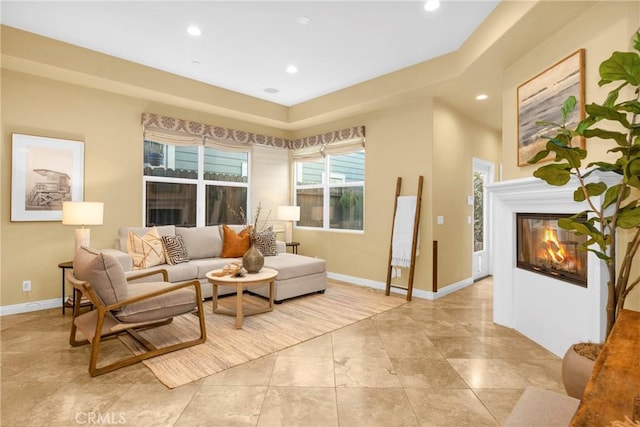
541 99
45 172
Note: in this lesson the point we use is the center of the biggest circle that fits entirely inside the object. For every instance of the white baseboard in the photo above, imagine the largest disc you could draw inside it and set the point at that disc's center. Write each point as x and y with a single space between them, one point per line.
416 292
27 307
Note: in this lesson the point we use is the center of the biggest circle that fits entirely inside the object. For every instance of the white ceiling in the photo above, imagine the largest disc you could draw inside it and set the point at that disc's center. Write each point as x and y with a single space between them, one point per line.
245 46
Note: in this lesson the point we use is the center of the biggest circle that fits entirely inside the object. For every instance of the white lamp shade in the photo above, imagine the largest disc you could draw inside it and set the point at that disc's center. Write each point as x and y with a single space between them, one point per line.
289 213
82 213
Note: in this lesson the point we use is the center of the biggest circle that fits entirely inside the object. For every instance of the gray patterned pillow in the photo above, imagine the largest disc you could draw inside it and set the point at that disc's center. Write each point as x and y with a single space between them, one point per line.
175 250
265 242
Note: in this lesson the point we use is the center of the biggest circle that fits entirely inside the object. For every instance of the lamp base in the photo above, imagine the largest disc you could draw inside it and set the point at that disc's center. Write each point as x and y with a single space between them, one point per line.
288 231
83 238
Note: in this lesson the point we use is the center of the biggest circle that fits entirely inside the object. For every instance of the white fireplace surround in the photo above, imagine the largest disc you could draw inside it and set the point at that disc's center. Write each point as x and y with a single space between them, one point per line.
551 312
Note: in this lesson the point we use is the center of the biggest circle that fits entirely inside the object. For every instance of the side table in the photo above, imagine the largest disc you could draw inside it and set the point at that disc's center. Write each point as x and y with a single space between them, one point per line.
66 303
293 246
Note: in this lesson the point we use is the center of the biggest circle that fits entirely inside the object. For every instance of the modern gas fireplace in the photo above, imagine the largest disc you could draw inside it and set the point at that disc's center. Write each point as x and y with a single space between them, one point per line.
545 248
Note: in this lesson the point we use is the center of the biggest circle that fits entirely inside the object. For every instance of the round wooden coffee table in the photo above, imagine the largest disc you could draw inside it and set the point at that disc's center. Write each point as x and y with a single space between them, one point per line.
264 276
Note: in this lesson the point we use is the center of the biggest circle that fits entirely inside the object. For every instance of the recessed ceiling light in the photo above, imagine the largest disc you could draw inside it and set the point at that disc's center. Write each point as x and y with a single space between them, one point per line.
271 90
431 5
292 69
195 62
194 30
482 97
303 20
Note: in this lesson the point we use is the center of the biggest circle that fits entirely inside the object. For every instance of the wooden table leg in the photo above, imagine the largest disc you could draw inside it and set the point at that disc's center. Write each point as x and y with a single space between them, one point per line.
272 287
214 297
239 315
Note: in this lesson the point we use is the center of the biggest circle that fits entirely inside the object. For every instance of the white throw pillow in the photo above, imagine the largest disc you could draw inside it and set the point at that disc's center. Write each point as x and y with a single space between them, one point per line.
147 251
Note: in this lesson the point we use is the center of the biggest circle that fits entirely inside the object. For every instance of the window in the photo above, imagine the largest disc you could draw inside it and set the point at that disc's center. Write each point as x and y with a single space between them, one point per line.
194 185
330 191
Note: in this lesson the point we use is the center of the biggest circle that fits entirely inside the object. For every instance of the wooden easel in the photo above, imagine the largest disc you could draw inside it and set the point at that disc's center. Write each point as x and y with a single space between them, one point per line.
414 244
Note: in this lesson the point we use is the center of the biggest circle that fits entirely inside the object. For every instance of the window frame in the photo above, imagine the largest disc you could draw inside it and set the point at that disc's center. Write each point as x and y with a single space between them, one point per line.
201 184
326 187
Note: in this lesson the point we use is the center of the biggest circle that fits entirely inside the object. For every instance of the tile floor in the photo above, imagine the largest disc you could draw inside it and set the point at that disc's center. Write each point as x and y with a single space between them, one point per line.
427 363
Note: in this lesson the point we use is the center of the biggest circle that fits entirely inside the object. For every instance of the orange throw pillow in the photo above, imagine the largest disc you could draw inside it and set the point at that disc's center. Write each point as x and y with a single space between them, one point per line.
234 244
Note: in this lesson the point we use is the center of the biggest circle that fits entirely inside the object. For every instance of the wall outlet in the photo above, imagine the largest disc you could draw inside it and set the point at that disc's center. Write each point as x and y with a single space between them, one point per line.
399 273
26 286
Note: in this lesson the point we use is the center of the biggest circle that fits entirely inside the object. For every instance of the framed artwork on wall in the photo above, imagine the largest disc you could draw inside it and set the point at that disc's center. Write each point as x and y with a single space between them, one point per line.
44 173
541 99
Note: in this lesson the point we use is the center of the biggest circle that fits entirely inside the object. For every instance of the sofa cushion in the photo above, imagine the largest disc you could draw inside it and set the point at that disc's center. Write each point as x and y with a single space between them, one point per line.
123 233
176 273
147 250
234 244
103 272
163 306
175 251
291 265
265 242
201 242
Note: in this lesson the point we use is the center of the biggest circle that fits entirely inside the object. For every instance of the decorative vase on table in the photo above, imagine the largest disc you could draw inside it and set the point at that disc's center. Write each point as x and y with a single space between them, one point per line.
253 260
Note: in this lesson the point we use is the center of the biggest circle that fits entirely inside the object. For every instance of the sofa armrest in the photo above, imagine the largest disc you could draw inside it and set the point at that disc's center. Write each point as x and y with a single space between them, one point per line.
123 258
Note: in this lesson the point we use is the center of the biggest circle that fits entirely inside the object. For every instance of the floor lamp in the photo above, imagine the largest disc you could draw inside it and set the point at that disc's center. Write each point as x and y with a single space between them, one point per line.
288 214
82 213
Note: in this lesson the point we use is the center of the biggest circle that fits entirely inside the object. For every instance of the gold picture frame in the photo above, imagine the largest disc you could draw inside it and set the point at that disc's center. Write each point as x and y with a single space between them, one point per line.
541 99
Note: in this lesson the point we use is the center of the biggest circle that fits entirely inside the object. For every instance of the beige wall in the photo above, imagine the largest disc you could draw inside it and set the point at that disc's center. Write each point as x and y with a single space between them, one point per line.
457 141
399 143
109 125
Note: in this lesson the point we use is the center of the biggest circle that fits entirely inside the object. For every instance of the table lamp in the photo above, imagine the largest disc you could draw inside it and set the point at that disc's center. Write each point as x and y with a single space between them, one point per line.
288 214
82 213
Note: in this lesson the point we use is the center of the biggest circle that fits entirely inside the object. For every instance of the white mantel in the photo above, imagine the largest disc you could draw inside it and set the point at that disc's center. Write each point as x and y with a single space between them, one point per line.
551 312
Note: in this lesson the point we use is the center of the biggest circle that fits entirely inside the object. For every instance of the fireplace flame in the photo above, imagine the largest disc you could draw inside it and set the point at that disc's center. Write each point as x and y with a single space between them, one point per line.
552 249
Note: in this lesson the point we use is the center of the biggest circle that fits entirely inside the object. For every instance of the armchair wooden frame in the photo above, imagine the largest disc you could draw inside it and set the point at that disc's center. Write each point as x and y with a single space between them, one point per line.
108 326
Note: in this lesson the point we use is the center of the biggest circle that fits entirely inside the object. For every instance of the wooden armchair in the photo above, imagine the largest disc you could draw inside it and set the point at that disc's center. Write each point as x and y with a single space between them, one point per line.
126 308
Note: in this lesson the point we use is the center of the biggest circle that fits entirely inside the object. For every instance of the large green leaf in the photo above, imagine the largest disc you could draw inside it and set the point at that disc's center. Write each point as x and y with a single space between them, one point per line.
628 217
554 174
619 137
612 194
592 189
538 156
567 107
624 66
608 113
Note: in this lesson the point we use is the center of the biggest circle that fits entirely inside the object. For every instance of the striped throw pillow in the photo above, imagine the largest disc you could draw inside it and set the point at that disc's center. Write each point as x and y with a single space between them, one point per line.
175 250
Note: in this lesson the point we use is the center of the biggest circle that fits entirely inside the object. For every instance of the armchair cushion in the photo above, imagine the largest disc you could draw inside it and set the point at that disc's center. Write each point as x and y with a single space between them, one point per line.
162 306
103 271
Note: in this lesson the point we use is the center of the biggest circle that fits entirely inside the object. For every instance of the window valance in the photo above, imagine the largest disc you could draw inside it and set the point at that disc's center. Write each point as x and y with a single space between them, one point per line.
338 142
169 130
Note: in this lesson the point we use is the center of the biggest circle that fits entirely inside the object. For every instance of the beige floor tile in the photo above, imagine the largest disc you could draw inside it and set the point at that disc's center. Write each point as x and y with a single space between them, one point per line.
427 373
299 406
488 373
469 314
18 398
544 373
374 407
449 407
515 348
256 372
153 404
303 372
224 406
359 329
317 347
410 345
358 346
73 404
460 347
365 372
499 402
445 328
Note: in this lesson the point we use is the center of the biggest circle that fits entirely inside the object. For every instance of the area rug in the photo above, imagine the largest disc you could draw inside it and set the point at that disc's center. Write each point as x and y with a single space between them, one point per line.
292 322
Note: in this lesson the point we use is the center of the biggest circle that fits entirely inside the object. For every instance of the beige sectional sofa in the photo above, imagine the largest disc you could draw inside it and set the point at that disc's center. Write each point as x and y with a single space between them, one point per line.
297 274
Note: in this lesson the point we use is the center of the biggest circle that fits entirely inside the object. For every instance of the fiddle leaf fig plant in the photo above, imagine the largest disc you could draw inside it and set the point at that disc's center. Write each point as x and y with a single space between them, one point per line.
614 120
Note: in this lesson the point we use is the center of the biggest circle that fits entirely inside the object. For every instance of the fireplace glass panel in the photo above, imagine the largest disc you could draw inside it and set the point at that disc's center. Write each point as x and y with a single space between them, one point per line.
545 248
